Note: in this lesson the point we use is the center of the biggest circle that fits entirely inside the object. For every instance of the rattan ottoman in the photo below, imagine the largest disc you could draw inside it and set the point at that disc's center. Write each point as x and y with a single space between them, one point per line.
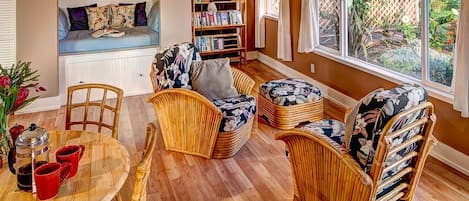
286 103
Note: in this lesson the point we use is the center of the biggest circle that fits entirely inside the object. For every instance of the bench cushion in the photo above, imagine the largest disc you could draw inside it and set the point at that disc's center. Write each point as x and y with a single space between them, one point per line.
236 111
290 91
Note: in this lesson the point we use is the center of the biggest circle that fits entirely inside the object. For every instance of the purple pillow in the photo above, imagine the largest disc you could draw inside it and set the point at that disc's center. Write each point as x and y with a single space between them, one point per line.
140 13
78 17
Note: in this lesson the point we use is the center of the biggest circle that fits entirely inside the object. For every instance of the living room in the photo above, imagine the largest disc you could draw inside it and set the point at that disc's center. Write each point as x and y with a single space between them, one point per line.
274 93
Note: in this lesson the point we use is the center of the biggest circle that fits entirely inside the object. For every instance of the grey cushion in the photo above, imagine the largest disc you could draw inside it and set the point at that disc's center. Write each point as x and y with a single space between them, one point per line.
213 79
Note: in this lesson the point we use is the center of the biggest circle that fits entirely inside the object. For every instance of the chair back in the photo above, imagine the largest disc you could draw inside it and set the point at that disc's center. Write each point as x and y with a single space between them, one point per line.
90 104
400 156
143 168
391 138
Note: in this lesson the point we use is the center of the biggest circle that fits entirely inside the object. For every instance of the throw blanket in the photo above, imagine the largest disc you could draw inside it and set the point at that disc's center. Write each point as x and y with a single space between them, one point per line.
172 66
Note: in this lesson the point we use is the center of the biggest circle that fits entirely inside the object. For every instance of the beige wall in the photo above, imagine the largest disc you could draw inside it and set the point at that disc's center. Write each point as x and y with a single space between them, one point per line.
176 19
36 29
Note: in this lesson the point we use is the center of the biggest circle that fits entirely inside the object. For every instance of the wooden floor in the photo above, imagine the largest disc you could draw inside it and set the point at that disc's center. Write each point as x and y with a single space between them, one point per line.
259 171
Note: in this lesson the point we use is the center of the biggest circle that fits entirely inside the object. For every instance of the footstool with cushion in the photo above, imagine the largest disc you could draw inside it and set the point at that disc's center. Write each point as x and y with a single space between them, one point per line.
289 102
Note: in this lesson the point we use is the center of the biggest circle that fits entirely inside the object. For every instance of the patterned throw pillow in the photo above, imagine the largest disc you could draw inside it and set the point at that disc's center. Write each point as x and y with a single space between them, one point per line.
123 16
140 13
97 18
373 114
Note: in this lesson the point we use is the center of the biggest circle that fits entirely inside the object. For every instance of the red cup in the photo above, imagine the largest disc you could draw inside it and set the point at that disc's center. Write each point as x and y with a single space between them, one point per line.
71 154
49 177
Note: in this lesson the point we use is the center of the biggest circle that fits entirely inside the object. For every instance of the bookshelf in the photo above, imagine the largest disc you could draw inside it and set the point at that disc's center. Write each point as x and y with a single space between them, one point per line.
222 33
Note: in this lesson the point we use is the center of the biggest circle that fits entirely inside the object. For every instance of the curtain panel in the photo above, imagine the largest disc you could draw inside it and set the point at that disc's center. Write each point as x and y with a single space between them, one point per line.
461 74
260 24
284 50
309 29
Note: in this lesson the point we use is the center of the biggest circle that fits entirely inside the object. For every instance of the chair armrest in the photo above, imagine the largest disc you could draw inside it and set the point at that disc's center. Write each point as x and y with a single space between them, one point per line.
154 82
321 172
242 82
189 122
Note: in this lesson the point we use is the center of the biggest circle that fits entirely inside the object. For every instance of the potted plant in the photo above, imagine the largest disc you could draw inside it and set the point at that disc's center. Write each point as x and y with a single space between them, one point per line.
15 85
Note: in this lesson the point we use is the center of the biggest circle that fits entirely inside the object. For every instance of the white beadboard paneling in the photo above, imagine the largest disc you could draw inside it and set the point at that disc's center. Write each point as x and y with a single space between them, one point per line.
126 69
7 32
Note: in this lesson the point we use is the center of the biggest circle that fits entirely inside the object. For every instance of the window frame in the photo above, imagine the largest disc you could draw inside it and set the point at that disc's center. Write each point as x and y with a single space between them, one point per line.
439 91
268 9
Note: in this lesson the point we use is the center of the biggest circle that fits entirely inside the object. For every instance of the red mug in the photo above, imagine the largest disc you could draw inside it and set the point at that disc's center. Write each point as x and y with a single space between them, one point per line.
71 154
49 177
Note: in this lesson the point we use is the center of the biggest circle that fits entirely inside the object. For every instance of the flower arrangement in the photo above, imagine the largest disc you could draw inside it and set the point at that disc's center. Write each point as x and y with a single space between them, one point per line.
15 85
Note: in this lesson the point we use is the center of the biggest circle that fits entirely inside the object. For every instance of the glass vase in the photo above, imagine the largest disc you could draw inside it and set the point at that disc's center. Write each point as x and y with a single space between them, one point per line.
6 141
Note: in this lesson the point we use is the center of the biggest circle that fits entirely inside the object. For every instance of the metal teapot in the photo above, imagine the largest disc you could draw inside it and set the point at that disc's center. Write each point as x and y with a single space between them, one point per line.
31 150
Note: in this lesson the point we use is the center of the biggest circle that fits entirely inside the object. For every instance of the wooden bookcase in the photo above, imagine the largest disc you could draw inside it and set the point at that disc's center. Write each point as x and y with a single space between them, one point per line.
220 34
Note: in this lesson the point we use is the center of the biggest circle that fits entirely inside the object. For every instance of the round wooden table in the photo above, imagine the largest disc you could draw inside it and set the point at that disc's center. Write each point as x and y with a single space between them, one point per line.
102 171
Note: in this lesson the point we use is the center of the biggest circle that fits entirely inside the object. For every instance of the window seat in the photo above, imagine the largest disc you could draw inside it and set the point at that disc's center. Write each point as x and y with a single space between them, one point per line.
82 41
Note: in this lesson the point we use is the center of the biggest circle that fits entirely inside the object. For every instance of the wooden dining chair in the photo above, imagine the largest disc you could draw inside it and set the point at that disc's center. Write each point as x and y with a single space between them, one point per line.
143 168
94 100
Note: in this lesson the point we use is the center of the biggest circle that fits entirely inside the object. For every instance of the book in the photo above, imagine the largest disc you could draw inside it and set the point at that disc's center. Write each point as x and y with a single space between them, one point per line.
224 18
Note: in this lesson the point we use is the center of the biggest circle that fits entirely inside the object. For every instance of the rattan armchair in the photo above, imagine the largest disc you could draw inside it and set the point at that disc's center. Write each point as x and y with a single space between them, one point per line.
88 105
322 172
190 123
143 167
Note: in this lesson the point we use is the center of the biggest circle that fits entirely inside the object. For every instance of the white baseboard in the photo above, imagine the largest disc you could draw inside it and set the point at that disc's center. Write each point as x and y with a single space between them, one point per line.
252 55
329 93
41 104
451 157
442 152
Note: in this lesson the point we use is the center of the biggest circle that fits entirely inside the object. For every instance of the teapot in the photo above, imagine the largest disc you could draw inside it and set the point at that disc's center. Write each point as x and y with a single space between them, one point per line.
31 150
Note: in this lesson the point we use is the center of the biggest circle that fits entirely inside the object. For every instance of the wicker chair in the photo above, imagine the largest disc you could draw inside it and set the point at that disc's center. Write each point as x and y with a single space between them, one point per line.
143 168
88 103
190 123
322 170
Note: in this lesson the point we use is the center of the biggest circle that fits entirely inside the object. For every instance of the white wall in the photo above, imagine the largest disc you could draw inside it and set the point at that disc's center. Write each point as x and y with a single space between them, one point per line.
176 19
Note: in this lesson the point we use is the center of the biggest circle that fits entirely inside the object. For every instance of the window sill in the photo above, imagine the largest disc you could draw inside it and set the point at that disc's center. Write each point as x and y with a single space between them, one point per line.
271 17
385 74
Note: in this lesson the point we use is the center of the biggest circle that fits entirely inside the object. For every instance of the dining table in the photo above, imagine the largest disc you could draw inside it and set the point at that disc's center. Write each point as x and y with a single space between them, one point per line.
102 170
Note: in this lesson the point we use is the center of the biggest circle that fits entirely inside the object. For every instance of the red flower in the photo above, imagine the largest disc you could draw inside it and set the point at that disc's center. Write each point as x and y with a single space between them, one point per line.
5 81
23 93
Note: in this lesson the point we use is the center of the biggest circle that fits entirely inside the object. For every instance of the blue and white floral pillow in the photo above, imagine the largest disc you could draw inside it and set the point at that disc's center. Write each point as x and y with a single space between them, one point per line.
172 67
373 114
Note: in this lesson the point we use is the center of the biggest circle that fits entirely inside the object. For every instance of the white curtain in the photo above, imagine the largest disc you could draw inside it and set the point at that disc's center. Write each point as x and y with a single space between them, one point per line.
309 29
260 24
461 75
284 49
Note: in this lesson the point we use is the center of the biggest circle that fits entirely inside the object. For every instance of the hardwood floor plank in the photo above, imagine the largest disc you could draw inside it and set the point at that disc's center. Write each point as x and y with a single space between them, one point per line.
260 171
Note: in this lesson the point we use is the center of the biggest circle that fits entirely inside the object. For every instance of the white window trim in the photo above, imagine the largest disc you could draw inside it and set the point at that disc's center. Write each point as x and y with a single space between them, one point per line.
271 16
437 91
268 13
383 73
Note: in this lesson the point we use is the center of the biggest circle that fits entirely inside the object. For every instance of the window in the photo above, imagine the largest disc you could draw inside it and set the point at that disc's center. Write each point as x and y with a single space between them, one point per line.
329 23
412 38
273 7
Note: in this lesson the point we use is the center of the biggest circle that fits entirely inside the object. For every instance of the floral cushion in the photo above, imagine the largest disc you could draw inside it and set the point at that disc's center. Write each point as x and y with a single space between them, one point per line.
123 16
330 130
172 66
290 91
373 114
236 111
97 18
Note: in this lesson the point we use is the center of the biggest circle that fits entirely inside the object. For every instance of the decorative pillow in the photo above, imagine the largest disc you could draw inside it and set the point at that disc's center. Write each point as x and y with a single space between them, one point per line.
98 18
172 67
140 13
63 25
213 78
123 16
373 114
78 18
350 118
154 17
